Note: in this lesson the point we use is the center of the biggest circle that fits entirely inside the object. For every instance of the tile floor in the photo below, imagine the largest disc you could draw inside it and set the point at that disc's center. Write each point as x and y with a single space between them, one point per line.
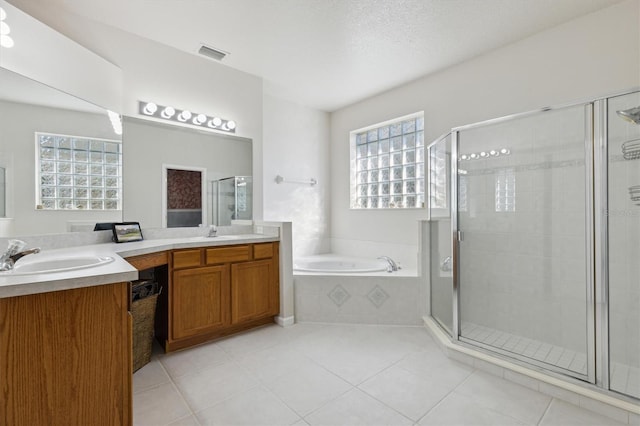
335 375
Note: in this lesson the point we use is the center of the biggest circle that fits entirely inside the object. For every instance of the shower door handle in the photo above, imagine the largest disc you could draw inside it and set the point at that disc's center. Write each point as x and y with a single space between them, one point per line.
460 236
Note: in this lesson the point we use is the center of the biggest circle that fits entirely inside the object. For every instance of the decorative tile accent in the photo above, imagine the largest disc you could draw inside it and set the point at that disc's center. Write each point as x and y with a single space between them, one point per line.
339 295
377 296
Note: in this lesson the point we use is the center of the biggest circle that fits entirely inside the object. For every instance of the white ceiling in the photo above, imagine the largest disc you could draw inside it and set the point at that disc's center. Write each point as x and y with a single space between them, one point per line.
330 53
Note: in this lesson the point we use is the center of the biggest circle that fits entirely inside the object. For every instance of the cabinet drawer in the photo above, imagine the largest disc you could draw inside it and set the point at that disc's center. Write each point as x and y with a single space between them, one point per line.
147 261
187 258
227 254
263 251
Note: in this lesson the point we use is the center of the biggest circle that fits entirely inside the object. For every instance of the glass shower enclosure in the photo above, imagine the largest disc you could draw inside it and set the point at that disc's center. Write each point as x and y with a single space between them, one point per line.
535 239
232 200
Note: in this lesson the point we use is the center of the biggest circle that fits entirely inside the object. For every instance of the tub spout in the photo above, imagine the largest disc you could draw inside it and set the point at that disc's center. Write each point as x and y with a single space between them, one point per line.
393 266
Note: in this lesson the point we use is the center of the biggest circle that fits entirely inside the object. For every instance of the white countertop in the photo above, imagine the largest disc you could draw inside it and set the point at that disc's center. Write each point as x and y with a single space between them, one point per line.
12 284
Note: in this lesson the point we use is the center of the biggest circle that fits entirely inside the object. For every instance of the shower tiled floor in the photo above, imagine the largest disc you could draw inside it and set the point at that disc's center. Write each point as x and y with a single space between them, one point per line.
535 349
624 378
335 375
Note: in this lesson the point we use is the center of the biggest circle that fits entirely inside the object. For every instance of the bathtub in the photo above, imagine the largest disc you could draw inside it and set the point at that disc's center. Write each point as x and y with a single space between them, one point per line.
331 288
335 264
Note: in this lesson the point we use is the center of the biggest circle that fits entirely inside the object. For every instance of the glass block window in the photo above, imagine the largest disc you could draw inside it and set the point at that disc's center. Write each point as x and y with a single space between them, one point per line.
438 172
505 181
78 173
387 165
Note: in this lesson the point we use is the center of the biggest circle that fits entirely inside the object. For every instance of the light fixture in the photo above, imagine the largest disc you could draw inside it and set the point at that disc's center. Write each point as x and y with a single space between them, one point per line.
199 119
485 154
150 108
168 112
5 38
215 122
185 116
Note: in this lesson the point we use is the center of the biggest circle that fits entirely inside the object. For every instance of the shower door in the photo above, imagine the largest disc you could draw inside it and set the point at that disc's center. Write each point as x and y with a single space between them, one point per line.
524 199
441 254
623 221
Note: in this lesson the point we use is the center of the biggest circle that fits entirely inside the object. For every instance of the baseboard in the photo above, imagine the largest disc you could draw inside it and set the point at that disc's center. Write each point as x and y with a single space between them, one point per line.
285 321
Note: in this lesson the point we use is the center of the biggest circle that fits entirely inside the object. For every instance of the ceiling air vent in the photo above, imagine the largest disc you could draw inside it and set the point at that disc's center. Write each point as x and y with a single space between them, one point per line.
212 53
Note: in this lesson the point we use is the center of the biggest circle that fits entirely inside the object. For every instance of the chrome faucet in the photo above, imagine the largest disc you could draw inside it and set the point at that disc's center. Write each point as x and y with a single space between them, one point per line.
14 252
213 230
393 266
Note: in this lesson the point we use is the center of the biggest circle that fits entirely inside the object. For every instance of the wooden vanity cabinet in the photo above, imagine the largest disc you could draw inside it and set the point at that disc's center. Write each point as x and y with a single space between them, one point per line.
218 291
66 357
200 300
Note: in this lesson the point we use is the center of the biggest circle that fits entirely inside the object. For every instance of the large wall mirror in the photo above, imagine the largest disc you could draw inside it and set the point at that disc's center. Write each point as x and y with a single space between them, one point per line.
170 172
68 190
50 185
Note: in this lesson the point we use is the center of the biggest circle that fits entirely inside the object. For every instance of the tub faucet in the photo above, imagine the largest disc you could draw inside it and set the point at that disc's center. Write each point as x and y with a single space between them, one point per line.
393 266
14 252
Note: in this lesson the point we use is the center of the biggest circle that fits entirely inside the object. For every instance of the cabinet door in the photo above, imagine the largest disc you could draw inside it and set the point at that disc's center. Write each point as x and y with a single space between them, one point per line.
251 290
200 300
66 357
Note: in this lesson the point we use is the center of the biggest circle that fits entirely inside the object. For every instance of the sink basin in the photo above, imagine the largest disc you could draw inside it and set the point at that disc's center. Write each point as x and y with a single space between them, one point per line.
59 265
219 238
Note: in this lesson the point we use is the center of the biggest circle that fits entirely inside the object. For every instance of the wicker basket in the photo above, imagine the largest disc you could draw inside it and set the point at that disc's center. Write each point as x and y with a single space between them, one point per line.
144 313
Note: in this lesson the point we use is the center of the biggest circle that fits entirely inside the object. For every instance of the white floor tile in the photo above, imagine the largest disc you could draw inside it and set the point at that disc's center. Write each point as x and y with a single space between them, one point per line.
265 337
434 366
158 406
308 388
356 408
457 409
561 413
205 388
149 376
255 407
272 363
505 397
410 394
186 421
355 353
194 359
275 376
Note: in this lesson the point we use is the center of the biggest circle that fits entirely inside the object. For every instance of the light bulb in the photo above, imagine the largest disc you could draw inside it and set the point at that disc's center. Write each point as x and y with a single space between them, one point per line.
493 152
483 154
168 112
474 156
150 108
504 151
4 28
231 124
3 14
215 122
464 157
199 119
184 115
6 41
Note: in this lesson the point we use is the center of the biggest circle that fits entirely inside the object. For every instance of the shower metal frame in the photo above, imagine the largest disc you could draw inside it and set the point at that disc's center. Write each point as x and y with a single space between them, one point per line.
596 250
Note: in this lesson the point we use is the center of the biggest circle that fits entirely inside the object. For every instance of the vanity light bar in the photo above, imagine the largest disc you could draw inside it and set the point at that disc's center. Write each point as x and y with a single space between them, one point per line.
485 154
5 38
184 116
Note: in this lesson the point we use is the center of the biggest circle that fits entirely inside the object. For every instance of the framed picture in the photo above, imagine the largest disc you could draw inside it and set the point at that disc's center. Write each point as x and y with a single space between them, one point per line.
126 232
